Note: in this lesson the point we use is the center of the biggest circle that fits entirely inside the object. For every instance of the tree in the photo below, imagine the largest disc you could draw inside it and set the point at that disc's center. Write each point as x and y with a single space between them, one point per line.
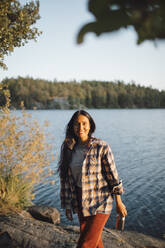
16 25
147 17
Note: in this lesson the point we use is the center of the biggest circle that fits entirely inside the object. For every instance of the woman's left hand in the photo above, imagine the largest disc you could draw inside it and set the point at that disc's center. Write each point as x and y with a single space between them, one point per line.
121 209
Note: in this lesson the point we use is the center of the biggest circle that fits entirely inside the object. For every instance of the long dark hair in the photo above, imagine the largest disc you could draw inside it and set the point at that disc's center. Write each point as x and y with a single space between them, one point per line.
70 140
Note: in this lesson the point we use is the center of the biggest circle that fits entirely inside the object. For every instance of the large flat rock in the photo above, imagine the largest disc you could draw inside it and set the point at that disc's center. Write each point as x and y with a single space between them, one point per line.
25 232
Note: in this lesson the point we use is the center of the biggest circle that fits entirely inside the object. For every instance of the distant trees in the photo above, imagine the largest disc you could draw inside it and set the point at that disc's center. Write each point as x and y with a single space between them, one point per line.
16 25
147 17
86 94
162 99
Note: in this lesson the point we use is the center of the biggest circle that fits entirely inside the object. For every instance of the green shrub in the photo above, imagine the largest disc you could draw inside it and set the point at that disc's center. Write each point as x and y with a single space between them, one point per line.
24 158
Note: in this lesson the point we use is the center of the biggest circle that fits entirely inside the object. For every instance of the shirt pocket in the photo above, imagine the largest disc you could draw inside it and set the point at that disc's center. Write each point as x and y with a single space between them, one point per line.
92 170
91 165
92 159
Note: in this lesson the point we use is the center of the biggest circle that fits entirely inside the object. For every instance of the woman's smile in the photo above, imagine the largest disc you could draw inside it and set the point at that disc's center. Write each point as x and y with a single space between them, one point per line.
82 128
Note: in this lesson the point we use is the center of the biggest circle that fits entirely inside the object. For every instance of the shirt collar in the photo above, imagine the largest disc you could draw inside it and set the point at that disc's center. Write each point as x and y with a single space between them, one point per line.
71 143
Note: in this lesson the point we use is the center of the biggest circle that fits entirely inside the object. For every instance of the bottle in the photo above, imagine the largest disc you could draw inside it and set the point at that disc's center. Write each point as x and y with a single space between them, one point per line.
120 221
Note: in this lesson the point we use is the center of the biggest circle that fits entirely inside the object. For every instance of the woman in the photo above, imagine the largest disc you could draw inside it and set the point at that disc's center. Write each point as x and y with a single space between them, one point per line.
89 180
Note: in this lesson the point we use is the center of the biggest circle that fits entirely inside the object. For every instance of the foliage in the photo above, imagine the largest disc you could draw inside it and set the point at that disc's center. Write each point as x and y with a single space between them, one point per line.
16 25
14 194
147 17
86 94
24 158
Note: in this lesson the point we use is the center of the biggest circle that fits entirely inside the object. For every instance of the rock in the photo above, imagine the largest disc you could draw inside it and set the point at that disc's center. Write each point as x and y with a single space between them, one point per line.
25 214
46 214
30 233
5 240
114 238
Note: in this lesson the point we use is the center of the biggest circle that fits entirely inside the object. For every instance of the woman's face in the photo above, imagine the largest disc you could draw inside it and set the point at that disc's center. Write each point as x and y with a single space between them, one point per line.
82 127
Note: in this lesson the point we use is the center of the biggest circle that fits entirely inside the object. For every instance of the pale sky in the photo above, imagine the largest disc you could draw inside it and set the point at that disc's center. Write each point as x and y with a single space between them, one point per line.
109 57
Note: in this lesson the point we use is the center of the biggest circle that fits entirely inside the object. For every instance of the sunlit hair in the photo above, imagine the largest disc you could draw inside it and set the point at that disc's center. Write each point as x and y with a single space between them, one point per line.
70 140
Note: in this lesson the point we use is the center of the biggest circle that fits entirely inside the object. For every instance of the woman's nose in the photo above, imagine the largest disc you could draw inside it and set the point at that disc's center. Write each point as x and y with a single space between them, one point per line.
81 126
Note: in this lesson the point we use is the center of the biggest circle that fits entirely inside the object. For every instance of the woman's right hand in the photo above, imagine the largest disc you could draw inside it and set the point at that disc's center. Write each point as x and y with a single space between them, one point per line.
68 213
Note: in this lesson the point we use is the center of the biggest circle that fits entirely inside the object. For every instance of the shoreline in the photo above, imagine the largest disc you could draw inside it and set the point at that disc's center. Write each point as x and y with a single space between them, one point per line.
24 231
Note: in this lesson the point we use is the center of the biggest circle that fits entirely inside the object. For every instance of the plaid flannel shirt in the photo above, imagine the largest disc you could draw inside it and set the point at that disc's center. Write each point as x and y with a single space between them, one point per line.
100 181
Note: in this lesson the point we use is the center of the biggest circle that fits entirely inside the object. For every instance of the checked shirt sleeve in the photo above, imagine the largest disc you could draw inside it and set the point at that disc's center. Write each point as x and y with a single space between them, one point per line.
110 171
65 195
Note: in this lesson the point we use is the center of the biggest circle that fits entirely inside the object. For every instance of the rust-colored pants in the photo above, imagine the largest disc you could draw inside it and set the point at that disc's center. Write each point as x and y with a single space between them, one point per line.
91 227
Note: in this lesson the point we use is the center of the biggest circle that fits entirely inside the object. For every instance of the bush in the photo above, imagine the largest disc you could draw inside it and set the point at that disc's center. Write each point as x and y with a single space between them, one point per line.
24 158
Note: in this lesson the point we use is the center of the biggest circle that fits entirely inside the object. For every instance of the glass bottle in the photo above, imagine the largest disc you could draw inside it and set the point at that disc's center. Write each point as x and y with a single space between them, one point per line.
120 221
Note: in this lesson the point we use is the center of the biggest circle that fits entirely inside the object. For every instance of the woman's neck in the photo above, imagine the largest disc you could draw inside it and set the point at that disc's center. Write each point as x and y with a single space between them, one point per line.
83 141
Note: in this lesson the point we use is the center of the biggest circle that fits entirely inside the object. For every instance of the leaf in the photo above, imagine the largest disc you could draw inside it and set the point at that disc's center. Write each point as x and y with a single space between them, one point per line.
146 17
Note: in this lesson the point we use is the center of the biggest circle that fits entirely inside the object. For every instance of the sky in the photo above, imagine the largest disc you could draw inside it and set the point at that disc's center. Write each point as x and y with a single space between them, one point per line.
110 57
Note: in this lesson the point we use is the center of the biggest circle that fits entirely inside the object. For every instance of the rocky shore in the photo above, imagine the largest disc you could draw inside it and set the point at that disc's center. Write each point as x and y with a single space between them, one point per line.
39 227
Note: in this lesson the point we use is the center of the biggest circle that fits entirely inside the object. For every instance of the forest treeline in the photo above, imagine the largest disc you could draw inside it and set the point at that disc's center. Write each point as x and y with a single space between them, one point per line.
44 94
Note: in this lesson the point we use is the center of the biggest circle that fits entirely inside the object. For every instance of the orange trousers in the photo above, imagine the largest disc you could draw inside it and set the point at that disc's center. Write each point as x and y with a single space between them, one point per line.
91 227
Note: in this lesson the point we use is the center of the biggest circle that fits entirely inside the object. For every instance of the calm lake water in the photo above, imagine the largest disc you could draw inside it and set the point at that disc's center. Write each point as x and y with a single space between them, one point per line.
137 139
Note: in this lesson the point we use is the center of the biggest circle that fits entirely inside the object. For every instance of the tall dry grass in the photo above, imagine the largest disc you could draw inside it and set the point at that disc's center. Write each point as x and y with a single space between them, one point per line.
24 158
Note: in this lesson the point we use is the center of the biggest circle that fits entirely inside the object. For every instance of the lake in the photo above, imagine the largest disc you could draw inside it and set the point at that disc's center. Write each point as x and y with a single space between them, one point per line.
137 139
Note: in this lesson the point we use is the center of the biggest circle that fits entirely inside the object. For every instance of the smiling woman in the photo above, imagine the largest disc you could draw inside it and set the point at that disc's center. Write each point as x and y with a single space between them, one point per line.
89 180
